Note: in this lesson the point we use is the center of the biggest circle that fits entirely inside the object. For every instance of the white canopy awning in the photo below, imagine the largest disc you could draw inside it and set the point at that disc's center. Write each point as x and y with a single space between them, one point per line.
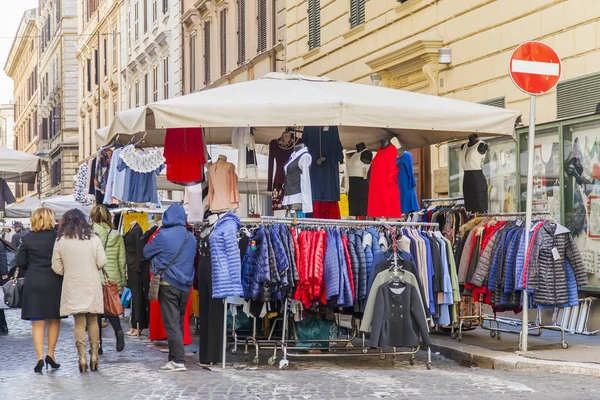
363 113
17 166
60 205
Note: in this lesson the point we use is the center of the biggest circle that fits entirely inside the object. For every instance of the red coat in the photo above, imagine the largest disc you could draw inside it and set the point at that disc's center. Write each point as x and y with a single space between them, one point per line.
184 152
310 263
384 194
349 265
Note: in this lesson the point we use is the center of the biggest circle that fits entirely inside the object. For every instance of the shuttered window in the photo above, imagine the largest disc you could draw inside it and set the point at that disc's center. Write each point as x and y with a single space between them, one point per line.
357 13
166 78
207 71
314 24
241 31
223 41
193 62
495 102
261 20
578 96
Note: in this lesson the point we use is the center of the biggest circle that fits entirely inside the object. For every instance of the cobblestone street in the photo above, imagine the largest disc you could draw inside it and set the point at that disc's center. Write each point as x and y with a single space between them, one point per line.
133 375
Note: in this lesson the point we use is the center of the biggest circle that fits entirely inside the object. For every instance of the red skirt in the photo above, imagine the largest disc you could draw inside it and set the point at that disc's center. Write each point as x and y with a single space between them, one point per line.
157 329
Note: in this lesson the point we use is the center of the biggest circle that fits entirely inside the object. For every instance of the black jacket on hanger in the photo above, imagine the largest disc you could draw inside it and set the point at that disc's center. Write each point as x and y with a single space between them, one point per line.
398 319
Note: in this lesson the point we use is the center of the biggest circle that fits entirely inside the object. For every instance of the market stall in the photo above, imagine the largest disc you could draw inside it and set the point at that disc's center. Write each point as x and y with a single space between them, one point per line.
329 116
17 166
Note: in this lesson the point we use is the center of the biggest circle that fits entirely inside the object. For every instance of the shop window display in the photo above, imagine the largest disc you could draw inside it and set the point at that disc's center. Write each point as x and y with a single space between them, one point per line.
546 173
499 169
582 193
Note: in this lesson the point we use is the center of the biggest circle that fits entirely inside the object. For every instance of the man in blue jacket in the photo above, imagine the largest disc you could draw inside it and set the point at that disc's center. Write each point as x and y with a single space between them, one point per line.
172 252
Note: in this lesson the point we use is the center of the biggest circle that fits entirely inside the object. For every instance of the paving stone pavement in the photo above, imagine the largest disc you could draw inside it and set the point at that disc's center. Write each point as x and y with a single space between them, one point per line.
133 375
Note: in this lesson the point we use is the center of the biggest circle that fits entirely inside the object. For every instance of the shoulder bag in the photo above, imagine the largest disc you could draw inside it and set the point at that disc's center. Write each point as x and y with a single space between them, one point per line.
110 292
13 291
155 282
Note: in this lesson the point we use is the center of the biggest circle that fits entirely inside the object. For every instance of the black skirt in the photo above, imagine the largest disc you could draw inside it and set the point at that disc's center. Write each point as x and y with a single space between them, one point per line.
41 294
475 191
358 196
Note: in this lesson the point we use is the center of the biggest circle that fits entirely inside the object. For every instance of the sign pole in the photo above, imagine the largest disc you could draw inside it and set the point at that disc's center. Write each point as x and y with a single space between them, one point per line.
528 214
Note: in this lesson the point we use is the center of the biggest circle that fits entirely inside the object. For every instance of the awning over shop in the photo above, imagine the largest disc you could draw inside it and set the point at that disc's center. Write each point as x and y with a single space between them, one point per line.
60 205
17 166
363 113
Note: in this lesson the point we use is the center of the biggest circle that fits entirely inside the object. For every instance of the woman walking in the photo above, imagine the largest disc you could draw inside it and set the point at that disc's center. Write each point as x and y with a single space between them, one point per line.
78 256
42 287
115 266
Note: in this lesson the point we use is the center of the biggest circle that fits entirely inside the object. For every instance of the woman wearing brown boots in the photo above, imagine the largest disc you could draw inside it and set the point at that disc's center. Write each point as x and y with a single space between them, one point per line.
78 256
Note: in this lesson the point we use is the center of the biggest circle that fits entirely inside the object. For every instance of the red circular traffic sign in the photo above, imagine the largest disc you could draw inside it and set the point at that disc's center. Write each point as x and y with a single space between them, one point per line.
535 68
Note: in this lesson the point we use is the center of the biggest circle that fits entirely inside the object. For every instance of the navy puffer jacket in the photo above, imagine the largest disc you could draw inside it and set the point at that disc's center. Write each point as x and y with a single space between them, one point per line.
256 264
331 267
354 260
362 267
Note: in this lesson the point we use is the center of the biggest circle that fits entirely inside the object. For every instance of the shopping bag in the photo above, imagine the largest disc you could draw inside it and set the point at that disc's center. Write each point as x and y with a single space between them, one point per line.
112 300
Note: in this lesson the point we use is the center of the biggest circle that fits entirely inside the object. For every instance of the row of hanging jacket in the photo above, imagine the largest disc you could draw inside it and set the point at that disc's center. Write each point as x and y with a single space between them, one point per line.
495 266
334 266
449 218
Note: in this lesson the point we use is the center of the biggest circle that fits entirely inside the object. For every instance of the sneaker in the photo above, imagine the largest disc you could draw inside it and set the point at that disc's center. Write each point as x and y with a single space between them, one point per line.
172 367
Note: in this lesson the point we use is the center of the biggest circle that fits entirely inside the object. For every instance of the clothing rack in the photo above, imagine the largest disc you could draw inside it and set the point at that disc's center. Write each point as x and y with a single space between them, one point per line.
284 344
443 200
496 332
336 222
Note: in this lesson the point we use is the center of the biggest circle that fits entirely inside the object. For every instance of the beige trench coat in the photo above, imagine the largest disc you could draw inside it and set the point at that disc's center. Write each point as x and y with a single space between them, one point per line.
79 261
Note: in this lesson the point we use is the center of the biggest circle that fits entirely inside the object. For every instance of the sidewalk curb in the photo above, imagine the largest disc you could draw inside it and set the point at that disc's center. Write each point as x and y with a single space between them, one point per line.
489 359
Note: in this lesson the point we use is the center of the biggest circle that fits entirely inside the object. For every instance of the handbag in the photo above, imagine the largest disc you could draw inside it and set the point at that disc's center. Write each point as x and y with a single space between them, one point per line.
155 282
13 291
110 292
112 300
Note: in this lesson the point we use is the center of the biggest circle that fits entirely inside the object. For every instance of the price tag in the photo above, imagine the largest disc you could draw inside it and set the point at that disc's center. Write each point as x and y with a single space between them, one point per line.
519 222
555 254
325 128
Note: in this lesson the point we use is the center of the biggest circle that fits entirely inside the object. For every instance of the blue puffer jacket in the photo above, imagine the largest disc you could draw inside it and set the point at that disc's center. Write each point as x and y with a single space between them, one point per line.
510 261
353 260
166 244
521 257
256 264
331 267
498 259
225 257
362 263
368 255
281 255
345 296
375 248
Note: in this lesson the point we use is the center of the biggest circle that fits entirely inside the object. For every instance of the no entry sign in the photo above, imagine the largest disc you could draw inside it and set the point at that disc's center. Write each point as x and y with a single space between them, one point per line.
535 68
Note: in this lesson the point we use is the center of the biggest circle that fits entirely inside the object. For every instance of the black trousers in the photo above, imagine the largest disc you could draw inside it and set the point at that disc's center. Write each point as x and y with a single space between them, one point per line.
210 320
139 298
115 322
173 303
2 320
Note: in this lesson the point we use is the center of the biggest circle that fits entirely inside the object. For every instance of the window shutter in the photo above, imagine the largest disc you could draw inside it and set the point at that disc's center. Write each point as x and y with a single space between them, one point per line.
207 53
578 96
241 31
223 41
495 102
262 26
314 24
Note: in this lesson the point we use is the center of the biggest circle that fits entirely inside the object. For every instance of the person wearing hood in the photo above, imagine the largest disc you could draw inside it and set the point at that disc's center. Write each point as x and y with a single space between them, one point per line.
172 252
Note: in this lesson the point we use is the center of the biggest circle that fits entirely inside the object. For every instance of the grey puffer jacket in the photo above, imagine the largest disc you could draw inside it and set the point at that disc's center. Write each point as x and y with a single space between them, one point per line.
485 259
546 275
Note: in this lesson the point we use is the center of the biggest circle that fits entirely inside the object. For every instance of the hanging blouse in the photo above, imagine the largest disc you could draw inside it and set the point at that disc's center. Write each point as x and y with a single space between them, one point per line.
144 161
185 156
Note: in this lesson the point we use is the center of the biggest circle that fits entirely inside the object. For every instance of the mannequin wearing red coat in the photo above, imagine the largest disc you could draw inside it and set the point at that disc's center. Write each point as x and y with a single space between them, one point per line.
384 194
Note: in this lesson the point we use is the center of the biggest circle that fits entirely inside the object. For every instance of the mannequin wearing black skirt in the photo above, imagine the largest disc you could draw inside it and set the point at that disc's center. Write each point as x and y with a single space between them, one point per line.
137 280
210 321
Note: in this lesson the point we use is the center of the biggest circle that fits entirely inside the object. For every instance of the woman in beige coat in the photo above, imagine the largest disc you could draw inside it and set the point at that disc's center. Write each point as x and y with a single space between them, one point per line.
78 255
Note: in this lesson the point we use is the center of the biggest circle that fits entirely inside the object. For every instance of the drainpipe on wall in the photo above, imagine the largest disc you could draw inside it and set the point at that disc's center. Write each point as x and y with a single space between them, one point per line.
274 36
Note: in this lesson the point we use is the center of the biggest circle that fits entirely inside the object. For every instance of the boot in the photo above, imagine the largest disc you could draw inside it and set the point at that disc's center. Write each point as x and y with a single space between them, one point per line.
81 352
95 347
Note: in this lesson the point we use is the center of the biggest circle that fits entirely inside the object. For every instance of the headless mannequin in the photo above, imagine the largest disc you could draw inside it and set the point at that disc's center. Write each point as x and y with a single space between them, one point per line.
366 156
385 142
473 139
